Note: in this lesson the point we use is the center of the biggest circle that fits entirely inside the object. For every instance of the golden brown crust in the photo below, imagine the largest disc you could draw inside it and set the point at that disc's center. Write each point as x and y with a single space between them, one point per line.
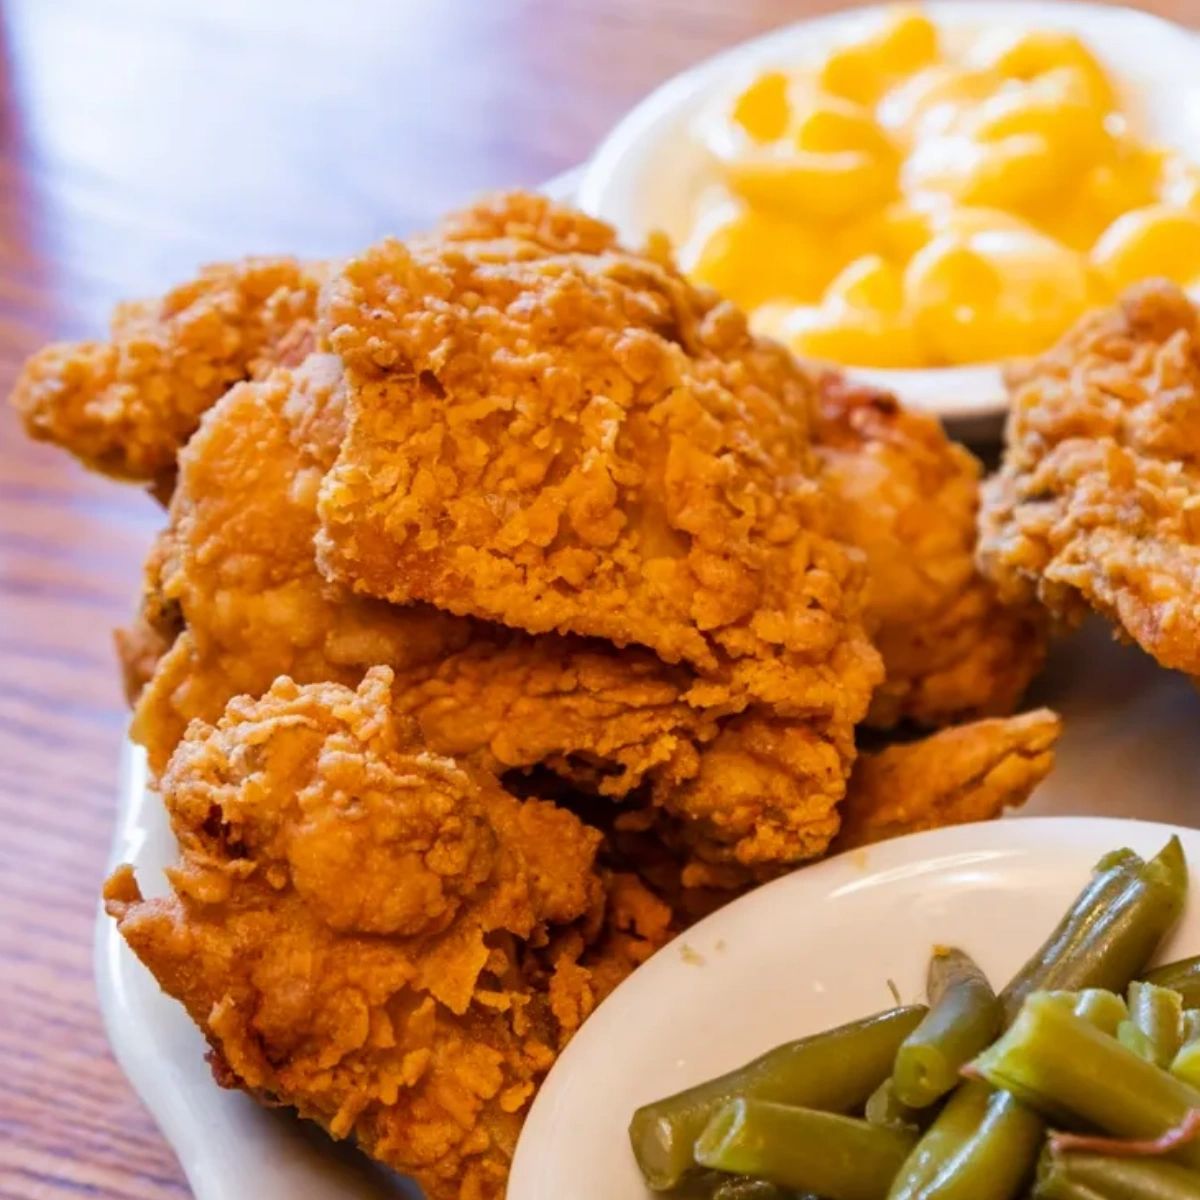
572 527
952 649
236 565
236 562
364 930
127 405
584 443
1098 500
969 773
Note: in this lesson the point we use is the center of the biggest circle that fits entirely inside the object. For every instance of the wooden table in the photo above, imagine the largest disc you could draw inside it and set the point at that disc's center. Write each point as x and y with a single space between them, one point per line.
141 138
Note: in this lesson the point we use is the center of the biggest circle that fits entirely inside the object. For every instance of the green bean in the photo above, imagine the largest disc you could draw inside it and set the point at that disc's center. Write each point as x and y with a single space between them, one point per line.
1105 1010
1191 1025
839 1158
1182 977
982 1147
1155 1025
1186 1064
884 1107
1111 931
742 1188
964 1018
1104 939
1069 1071
1100 1177
836 1071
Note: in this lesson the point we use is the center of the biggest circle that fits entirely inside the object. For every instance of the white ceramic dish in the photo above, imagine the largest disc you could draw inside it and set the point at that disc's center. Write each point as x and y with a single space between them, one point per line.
1129 749
802 954
649 170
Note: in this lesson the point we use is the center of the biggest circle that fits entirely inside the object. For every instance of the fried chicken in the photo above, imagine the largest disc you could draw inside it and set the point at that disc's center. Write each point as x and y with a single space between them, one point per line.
234 568
126 406
365 931
1097 504
969 773
513 610
236 564
908 496
582 442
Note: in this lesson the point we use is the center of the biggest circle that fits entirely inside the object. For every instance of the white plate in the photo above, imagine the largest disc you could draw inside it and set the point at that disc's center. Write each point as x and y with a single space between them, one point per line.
1129 748
808 952
649 170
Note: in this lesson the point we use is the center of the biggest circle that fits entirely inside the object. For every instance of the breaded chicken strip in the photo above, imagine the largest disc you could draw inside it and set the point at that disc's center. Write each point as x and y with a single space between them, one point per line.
1097 504
551 432
364 930
969 773
908 497
125 406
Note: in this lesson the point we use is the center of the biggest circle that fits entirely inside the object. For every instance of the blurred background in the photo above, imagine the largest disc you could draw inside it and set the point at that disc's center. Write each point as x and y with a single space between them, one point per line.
138 139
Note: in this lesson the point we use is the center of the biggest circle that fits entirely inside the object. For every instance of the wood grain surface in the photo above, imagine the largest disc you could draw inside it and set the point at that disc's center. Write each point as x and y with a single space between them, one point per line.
139 138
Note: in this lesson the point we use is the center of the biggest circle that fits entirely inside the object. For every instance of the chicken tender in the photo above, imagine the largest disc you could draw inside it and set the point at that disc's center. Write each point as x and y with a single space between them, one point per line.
952 649
969 773
1097 504
126 406
578 440
364 930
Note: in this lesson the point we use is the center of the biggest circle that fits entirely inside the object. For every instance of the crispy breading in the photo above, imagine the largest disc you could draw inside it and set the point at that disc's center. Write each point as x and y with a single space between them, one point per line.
363 929
583 442
236 565
125 406
508 509
952 649
1097 504
968 773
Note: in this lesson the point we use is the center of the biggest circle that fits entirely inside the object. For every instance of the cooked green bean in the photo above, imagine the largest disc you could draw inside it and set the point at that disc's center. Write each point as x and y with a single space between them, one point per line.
884 1107
1155 1025
1186 1064
839 1158
1106 1010
1111 931
1191 1025
741 1188
964 1017
1105 938
835 1071
982 1147
1182 977
1071 1072
1100 1177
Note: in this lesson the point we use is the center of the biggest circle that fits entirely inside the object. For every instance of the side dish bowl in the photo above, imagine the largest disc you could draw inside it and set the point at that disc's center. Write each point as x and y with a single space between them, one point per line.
813 950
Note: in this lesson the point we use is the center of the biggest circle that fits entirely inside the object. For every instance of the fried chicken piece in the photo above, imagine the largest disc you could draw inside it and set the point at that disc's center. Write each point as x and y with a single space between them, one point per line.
968 773
551 432
362 929
1097 503
952 649
236 566
126 406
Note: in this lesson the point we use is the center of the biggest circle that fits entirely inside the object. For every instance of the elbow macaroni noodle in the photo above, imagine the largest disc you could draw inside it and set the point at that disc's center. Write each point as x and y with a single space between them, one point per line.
914 201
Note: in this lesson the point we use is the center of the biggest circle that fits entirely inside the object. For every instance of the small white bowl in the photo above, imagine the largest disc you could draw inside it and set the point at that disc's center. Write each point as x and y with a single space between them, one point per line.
648 171
810 951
